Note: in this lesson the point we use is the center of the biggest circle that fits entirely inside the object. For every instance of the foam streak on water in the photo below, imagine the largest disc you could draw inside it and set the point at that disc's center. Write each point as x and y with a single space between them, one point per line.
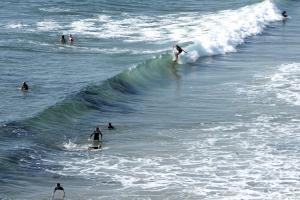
230 161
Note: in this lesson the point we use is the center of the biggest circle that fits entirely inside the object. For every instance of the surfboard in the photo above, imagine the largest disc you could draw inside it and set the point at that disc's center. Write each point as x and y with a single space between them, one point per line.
58 195
95 145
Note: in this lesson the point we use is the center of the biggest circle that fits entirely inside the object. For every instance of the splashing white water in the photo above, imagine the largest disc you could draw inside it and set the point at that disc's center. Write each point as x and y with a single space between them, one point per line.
69 145
47 25
207 34
282 85
286 83
223 32
211 34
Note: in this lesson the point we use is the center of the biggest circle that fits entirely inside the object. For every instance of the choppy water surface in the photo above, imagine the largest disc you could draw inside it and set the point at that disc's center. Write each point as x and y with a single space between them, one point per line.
223 123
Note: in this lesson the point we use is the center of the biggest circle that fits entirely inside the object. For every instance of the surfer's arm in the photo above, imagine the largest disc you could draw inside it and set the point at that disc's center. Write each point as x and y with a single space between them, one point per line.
92 134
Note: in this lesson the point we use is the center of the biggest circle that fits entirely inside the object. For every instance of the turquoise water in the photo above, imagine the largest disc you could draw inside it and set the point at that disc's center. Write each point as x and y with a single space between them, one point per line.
223 123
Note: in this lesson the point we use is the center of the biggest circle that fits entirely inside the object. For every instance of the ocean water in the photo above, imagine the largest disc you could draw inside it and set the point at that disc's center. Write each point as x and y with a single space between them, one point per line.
222 123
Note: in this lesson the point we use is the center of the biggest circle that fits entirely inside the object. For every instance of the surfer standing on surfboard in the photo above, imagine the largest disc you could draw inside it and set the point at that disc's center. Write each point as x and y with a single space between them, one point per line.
179 51
96 140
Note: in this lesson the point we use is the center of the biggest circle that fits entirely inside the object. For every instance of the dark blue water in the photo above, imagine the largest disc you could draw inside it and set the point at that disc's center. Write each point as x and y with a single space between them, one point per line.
222 123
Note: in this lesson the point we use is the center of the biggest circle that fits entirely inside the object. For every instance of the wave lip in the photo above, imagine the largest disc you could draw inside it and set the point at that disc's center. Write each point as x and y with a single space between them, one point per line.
223 32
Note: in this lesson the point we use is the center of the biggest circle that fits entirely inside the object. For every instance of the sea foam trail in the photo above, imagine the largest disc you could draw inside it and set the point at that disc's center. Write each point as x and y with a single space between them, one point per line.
208 33
223 32
283 84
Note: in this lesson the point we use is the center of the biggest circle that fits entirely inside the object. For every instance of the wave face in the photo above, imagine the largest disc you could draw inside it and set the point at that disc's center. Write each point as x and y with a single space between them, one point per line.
208 35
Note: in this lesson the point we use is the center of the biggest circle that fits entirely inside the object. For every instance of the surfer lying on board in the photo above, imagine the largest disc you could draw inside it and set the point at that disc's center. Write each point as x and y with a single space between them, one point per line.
60 189
179 51
96 140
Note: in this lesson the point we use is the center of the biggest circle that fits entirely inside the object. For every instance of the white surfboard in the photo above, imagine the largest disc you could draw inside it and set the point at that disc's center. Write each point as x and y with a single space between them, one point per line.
58 195
96 145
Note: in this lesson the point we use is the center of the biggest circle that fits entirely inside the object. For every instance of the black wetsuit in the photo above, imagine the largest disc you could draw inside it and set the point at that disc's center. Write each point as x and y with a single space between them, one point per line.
25 86
110 127
58 188
179 49
63 40
284 14
96 135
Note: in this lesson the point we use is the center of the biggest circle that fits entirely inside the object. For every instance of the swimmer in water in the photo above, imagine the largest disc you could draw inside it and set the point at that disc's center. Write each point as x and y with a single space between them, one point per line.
24 86
110 127
71 39
63 40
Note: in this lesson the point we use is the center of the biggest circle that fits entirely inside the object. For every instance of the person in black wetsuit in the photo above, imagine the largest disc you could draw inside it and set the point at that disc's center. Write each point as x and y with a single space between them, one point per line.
24 86
63 40
284 14
179 51
58 187
96 140
110 126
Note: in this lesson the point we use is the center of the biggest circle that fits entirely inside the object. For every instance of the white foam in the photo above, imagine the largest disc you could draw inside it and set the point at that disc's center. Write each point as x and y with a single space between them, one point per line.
69 145
16 25
54 9
256 159
83 26
210 34
286 83
72 146
283 85
223 32
48 26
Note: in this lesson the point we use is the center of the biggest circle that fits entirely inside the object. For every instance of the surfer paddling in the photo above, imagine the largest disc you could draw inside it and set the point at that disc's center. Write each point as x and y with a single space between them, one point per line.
179 51
96 139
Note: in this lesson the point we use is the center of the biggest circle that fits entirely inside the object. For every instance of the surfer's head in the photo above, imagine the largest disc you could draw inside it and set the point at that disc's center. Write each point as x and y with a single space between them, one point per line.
58 184
284 14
